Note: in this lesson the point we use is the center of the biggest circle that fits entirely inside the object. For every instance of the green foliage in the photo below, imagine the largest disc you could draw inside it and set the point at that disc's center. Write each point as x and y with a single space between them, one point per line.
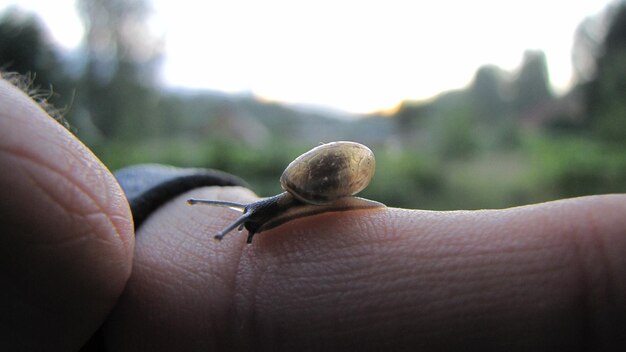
457 134
488 93
606 91
532 86
405 179
543 169
490 180
573 167
608 105
261 168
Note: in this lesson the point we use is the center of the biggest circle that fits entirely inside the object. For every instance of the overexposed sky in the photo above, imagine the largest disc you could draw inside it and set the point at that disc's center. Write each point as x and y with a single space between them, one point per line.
357 56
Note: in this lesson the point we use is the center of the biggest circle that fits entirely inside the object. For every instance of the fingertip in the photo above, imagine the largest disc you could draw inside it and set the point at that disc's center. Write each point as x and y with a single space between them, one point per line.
67 239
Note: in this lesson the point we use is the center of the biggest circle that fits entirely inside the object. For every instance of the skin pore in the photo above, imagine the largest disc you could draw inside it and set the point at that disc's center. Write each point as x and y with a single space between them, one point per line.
545 276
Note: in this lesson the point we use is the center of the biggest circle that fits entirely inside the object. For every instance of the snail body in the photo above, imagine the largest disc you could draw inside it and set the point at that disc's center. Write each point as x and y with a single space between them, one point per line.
324 179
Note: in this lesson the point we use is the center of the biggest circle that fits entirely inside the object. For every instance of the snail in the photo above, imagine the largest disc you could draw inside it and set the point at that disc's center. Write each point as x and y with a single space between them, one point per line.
324 179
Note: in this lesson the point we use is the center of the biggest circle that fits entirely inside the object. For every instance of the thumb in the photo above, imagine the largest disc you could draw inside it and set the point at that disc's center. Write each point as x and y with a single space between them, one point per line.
66 239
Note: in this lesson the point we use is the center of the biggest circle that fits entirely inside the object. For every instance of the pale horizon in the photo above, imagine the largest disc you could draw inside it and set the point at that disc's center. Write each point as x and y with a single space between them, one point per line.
350 56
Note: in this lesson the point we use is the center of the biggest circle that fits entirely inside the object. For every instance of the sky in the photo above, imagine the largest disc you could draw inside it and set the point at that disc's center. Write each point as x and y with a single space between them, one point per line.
354 56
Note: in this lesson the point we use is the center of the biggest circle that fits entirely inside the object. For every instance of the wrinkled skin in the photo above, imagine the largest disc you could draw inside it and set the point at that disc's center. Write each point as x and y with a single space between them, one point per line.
549 276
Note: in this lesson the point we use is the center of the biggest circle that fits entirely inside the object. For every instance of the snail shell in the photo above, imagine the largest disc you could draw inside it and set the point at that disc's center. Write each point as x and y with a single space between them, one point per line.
329 172
321 180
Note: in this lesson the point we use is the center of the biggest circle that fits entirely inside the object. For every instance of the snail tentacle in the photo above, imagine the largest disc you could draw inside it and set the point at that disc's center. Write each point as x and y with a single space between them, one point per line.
250 235
221 203
237 223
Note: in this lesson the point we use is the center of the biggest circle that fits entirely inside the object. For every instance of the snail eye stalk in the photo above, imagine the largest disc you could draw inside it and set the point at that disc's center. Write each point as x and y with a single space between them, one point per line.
219 203
239 223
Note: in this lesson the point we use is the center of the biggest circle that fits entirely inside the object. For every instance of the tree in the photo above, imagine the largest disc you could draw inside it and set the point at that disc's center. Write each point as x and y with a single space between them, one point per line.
531 86
30 61
488 93
25 49
585 51
117 85
606 91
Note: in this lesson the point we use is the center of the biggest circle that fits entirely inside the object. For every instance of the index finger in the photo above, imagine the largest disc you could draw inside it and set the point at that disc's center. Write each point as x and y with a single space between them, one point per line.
531 277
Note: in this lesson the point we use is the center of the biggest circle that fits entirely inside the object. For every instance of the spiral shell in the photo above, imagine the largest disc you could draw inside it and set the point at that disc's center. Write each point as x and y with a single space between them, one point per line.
329 172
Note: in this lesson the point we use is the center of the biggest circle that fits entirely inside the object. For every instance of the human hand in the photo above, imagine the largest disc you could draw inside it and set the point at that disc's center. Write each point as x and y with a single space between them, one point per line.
547 276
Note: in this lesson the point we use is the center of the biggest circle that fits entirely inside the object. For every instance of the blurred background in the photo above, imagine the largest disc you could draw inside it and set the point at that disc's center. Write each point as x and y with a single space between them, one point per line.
467 105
